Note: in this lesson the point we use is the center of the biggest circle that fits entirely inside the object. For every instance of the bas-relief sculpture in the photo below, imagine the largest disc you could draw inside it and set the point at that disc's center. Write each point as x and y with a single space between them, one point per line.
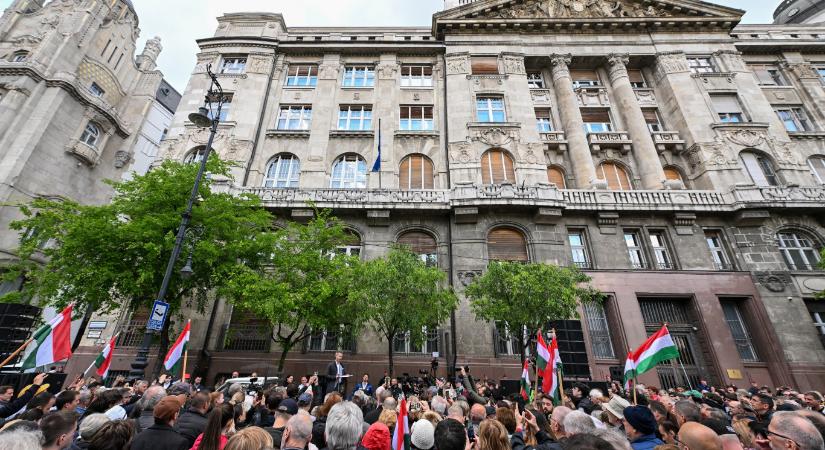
574 9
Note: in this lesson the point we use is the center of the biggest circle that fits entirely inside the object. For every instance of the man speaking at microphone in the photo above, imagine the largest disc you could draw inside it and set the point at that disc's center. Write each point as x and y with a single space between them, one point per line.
335 374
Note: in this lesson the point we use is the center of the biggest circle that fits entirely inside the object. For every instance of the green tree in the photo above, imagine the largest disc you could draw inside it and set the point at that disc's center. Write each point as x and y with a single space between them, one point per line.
525 297
400 294
304 289
105 257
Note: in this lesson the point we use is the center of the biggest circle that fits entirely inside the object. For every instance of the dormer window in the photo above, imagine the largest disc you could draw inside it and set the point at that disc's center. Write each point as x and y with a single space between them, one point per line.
96 90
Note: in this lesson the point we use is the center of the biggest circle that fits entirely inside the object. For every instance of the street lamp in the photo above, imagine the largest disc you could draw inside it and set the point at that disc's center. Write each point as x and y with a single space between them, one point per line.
205 117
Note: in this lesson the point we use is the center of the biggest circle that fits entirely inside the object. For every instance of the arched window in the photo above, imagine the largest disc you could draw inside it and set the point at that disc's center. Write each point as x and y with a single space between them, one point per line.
798 250
282 171
555 175
672 173
195 155
19 56
615 175
760 168
90 135
497 167
507 244
422 244
352 245
416 172
349 171
817 165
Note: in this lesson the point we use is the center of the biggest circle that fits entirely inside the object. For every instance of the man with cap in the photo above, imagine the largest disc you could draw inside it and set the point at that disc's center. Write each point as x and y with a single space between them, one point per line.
161 435
422 435
640 428
286 409
615 411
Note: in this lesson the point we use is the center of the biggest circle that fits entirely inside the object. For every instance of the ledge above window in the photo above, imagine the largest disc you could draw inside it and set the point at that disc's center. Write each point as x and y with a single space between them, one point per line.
287 133
351 133
494 124
242 76
417 133
812 135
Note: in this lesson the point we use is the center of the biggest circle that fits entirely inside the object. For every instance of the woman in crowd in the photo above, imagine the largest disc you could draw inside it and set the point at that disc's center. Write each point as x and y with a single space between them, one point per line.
219 426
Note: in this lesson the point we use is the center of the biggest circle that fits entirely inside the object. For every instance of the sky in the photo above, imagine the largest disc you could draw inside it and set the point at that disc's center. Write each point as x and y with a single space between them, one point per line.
180 22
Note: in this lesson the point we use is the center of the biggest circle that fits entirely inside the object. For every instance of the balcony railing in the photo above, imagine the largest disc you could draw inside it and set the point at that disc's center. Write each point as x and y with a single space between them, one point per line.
132 335
592 96
668 140
619 140
252 338
555 140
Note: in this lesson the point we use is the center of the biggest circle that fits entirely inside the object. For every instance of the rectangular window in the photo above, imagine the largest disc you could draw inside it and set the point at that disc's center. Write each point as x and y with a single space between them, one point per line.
507 341
596 121
302 75
585 78
578 248
535 80
544 123
817 312
634 249
821 72
637 80
794 118
658 246
733 316
416 76
717 250
295 117
599 330
484 65
700 64
403 344
355 118
652 120
817 166
212 106
768 75
333 340
233 64
359 76
416 118
727 108
490 109
96 90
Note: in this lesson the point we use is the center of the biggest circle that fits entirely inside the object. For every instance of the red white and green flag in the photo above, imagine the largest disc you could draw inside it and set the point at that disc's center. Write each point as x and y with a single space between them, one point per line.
629 370
401 435
175 355
542 355
550 382
525 381
657 348
54 341
104 359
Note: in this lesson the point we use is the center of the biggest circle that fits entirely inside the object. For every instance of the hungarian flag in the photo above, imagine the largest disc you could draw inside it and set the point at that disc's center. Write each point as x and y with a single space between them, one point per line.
550 382
525 381
657 348
401 435
174 357
542 355
629 370
54 341
104 359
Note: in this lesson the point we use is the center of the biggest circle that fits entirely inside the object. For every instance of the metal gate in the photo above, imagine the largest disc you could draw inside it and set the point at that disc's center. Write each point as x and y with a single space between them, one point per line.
689 368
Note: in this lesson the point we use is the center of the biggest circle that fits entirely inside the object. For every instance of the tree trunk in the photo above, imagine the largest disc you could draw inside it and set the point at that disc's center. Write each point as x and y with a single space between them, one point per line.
285 348
390 340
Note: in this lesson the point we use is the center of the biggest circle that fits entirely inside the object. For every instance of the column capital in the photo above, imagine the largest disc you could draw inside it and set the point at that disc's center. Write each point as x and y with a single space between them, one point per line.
560 65
617 66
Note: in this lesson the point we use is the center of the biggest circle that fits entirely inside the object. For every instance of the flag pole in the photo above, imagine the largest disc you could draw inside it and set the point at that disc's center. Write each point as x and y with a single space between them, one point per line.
16 352
690 385
536 389
185 356
557 371
633 386
379 154
88 368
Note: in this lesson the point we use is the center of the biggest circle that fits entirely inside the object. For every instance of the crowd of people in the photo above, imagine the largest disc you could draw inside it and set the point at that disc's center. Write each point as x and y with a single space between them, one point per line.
456 414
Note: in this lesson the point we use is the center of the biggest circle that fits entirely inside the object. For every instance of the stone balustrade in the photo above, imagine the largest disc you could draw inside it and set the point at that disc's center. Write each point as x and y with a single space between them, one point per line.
646 97
619 140
592 96
668 140
554 140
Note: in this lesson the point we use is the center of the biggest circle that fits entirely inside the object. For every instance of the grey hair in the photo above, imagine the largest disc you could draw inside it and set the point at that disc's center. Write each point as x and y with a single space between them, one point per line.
300 428
799 429
234 388
455 411
616 439
343 430
578 422
439 404
390 404
90 425
596 393
151 397
21 440
85 396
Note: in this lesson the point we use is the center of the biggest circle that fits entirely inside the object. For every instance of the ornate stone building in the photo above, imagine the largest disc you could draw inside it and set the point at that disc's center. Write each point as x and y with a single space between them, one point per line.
75 104
675 156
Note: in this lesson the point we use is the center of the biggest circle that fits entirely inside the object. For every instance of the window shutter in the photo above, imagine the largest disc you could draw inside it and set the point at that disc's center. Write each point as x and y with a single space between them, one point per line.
543 113
506 244
485 65
419 242
584 75
556 176
595 116
497 167
726 104
429 178
615 176
762 75
672 174
635 76
404 174
416 172
650 116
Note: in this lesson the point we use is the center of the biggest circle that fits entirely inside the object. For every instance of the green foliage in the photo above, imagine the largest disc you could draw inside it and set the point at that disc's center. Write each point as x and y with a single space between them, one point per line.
400 293
821 294
114 255
304 288
528 296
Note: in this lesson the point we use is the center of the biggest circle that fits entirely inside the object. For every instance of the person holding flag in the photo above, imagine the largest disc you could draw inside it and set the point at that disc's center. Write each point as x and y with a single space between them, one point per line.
53 341
657 348
525 391
104 359
551 382
176 356
401 435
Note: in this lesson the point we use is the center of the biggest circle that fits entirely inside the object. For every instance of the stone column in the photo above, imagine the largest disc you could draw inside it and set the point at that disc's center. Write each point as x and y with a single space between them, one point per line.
644 151
571 117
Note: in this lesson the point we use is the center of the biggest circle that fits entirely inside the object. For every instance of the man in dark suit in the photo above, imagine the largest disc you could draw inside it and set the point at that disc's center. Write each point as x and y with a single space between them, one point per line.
335 373
364 385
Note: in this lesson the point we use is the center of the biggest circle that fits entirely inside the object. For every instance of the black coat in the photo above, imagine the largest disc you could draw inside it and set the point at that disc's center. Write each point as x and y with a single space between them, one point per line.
332 373
160 437
318 429
372 416
190 424
9 408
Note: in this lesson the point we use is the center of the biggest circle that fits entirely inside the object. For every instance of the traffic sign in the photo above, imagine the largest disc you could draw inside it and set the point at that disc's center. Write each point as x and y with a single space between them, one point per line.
159 312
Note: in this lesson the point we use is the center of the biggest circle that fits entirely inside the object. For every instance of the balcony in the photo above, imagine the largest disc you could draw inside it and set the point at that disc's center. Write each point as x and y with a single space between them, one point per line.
350 198
594 96
646 97
554 140
251 338
619 140
716 81
668 140
86 153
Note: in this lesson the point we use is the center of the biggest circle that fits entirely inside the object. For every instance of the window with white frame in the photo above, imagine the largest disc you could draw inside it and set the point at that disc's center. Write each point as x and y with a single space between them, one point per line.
634 249
349 172
652 120
352 247
817 311
90 135
507 341
212 107
195 156
355 118
728 108
794 118
490 109
332 340
359 76
535 80
739 331
96 90
416 118
295 117
578 248
817 165
718 253
283 171
416 76
658 246
599 330
700 64
760 168
544 121
596 120
403 344
583 78
768 75
798 250
302 75
233 64
637 80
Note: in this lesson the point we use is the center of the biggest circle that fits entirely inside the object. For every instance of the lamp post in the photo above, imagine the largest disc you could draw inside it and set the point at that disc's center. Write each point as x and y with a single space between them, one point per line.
205 117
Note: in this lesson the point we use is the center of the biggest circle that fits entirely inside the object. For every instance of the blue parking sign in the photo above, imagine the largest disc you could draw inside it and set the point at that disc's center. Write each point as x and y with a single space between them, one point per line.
159 312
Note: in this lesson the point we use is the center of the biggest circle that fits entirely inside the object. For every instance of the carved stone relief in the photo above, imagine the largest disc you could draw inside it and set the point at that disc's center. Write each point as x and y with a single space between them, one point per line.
496 137
328 71
387 71
466 277
258 64
773 281
574 8
670 62
460 152
514 64
457 64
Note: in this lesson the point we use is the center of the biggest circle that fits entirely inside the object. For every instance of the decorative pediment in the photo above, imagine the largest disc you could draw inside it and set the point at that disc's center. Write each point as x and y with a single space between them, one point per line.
526 14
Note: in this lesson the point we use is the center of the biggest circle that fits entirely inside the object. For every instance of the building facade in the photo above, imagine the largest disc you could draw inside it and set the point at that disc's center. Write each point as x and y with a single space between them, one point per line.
675 156
76 105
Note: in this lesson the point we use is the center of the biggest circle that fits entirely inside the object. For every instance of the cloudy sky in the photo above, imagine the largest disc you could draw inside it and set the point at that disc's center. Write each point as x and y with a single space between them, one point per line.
180 22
